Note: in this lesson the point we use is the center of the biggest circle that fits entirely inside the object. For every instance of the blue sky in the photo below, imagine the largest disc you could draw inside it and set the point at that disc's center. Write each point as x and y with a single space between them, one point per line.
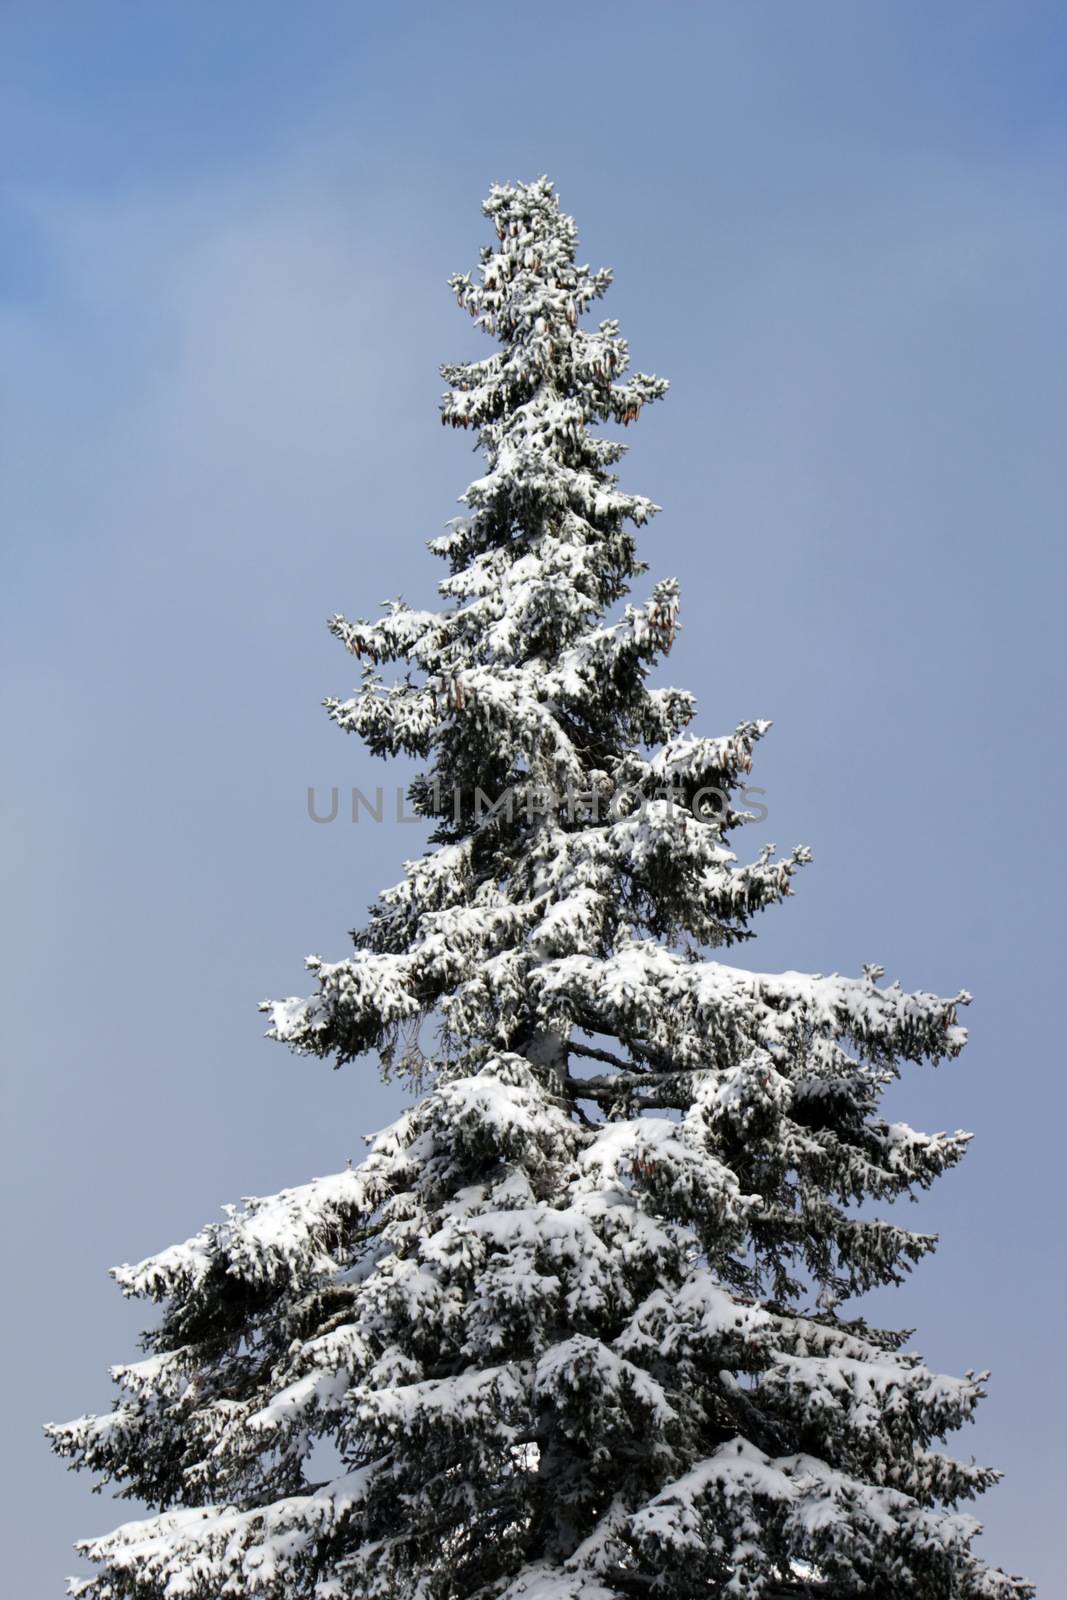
226 233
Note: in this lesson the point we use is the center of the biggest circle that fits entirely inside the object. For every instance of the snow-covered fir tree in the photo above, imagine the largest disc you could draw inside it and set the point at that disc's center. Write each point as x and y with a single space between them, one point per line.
575 1327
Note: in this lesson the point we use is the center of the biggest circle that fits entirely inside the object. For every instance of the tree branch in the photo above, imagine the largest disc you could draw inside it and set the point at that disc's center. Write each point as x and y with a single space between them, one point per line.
597 1054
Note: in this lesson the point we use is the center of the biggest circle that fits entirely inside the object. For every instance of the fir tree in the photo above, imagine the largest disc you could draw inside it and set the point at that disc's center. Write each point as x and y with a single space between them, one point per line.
575 1326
